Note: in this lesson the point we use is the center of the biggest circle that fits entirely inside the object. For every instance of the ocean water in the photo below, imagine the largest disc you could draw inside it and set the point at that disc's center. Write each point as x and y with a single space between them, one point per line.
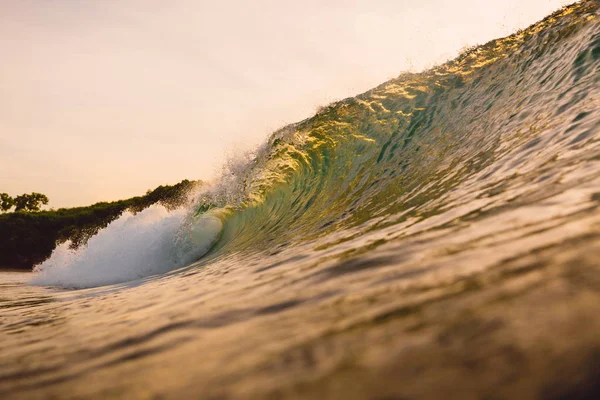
435 237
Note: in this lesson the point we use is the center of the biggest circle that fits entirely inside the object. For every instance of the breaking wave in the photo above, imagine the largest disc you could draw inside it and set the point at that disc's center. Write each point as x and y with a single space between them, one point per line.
151 242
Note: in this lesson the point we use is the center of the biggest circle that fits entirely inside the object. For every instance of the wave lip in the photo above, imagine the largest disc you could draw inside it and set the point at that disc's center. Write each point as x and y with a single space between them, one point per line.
134 246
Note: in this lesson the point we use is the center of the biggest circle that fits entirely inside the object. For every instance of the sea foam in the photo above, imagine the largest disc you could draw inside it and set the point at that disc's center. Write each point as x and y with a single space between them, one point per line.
134 246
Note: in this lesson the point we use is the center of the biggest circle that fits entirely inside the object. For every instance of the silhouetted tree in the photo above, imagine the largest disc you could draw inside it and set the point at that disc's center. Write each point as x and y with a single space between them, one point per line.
6 202
30 202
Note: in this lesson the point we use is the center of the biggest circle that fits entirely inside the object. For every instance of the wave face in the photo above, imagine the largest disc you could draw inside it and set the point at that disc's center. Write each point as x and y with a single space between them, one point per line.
424 236
501 122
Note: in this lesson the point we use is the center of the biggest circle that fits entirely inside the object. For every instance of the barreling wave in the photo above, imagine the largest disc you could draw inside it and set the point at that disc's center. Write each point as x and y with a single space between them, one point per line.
437 234
506 115
499 123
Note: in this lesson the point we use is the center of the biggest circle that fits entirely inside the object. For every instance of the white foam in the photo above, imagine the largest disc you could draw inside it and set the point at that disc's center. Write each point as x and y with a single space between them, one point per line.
151 242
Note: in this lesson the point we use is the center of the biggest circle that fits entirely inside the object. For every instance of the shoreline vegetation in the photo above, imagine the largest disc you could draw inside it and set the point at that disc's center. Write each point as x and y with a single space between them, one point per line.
29 237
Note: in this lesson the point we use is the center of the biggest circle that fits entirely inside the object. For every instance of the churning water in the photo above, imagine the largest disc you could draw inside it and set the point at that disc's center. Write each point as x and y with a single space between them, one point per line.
435 237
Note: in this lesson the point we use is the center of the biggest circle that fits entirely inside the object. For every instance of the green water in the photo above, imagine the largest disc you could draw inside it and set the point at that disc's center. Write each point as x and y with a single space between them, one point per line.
435 237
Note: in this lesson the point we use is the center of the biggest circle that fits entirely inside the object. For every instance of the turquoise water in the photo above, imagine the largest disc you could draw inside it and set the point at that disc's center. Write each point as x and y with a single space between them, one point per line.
435 237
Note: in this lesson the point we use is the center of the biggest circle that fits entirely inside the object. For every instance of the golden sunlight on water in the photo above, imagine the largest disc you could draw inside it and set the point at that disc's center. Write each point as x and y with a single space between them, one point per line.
436 237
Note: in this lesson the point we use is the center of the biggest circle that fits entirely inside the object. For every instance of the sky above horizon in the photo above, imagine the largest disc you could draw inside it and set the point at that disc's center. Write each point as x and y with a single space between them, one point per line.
104 99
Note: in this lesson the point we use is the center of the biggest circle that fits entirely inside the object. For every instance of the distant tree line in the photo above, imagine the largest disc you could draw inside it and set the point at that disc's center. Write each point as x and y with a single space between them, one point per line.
29 235
24 202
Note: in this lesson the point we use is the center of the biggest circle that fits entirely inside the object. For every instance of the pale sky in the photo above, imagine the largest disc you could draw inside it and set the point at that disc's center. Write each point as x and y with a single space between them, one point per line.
104 99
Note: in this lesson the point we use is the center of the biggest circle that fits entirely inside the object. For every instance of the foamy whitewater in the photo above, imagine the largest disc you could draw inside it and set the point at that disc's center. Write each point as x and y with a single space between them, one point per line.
435 237
151 242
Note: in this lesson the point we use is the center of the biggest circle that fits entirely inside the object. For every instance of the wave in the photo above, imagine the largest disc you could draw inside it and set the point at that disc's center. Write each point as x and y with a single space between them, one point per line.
443 227
500 122
422 144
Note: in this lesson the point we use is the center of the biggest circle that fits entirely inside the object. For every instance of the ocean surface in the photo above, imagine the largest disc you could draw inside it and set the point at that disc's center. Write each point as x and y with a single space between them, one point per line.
437 237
